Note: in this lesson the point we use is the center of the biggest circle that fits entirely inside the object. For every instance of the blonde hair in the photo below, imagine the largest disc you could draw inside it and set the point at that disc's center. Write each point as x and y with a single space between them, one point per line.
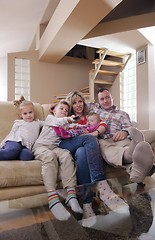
25 103
94 114
71 98
21 103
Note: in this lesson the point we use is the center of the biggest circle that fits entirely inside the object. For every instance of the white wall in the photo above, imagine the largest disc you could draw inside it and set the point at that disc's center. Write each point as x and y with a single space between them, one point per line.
146 91
3 78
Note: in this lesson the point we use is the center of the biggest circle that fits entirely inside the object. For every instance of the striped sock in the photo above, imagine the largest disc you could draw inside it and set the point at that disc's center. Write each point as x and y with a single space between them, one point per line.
56 207
72 201
71 193
53 199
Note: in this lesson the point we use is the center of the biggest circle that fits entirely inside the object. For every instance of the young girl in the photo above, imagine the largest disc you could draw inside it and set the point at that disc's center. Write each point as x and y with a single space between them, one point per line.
18 144
56 160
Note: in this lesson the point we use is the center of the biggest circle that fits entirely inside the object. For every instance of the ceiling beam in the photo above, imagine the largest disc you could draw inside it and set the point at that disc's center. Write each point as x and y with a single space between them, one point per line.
122 25
71 21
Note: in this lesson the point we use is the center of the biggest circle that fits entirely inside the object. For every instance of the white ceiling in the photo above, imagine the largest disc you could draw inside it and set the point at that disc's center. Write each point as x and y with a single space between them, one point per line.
123 42
19 20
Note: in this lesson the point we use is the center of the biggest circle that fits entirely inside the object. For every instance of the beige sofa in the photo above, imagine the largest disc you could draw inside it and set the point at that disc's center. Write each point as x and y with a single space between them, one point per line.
21 181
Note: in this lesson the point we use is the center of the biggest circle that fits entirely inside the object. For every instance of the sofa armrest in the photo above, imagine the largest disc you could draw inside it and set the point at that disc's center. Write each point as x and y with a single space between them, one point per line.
150 137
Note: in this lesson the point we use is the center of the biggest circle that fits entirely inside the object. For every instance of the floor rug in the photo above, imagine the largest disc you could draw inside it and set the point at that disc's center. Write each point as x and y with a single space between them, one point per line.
57 231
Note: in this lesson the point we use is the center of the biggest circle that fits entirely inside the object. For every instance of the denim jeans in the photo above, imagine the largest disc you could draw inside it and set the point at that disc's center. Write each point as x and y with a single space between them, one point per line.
15 151
86 152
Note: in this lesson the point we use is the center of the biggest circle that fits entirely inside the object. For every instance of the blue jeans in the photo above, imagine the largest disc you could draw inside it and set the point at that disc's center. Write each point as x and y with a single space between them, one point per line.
15 151
86 152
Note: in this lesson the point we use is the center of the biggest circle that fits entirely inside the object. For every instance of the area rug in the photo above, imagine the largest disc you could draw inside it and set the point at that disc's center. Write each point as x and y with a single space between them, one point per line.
140 212
49 231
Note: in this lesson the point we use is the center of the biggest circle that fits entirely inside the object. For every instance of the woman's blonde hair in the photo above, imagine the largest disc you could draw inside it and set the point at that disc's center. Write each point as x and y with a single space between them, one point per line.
71 98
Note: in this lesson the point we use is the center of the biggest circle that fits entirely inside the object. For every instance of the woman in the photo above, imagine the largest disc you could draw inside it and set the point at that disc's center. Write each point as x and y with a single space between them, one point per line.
89 161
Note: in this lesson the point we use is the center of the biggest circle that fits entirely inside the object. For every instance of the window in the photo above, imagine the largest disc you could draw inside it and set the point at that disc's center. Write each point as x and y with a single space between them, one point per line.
22 78
128 100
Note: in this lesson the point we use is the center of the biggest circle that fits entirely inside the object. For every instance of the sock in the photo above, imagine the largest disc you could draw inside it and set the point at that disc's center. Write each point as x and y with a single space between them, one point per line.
111 199
89 217
136 137
72 201
143 158
56 207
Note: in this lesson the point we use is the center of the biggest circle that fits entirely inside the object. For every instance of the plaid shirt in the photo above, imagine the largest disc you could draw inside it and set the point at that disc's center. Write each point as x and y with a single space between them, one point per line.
116 119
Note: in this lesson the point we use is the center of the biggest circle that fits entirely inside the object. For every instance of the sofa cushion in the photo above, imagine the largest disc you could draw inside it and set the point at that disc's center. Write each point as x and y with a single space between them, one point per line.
20 173
149 135
21 191
46 108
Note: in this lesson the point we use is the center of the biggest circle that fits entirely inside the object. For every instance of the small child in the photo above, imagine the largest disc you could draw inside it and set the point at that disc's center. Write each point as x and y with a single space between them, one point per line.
56 160
18 144
94 123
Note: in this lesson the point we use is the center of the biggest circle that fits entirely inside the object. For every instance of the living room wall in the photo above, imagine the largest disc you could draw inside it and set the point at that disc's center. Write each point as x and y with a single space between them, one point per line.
49 79
145 90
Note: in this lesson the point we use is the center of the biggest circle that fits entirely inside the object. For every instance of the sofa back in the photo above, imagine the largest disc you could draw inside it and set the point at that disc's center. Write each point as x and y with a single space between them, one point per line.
9 112
45 108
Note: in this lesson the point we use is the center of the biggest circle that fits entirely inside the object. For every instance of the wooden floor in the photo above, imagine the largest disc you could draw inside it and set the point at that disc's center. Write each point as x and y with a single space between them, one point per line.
17 218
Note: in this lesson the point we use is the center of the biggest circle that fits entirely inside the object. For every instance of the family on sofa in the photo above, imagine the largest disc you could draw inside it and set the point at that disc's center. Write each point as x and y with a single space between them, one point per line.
120 145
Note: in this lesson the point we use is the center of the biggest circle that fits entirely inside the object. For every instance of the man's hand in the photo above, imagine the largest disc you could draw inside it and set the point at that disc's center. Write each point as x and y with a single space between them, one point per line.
118 136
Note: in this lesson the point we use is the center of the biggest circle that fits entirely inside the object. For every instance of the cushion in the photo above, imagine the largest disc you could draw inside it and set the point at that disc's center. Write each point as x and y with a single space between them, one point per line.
20 173
149 135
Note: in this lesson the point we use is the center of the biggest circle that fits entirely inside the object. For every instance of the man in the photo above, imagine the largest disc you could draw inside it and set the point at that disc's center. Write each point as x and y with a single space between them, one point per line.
122 144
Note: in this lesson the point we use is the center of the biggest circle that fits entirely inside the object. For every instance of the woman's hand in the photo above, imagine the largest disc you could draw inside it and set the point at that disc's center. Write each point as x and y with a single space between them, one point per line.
95 133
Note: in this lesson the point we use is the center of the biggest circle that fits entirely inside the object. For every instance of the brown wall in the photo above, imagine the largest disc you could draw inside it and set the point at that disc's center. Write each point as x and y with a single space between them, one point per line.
48 79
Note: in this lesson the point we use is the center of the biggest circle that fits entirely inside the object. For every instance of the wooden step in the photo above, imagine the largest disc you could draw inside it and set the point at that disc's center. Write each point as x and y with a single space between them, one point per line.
85 89
112 73
113 53
61 96
108 63
102 81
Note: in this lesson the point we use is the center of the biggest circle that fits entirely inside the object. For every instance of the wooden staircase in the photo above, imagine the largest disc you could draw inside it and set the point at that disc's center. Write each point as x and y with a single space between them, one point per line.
106 69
